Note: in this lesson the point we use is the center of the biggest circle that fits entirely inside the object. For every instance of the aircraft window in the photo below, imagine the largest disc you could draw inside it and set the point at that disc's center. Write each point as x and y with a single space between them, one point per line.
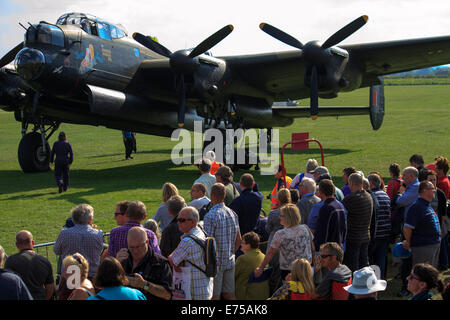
50 34
103 30
85 26
117 33
62 20
73 20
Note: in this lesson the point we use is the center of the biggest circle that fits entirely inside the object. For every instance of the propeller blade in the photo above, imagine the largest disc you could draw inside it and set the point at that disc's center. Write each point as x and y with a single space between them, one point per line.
151 44
211 41
181 101
345 32
314 94
7 58
281 35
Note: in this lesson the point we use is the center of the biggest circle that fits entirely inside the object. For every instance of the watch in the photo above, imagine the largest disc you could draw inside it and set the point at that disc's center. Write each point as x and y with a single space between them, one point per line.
147 286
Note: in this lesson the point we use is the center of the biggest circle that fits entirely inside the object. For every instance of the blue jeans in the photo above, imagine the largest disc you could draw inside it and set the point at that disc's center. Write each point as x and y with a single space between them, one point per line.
356 255
377 254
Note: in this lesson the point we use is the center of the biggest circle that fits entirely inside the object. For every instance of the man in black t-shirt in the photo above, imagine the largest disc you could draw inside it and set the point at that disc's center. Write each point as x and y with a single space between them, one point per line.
35 270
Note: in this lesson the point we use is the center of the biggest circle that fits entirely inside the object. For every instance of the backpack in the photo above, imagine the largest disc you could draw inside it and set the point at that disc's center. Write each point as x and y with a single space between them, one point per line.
204 210
209 255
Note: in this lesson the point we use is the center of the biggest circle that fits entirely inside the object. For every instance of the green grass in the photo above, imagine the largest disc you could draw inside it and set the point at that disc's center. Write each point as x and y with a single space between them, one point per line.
416 121
410 81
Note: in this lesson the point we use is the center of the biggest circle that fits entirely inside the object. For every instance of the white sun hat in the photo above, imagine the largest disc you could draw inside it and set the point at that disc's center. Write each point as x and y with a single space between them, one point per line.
366 281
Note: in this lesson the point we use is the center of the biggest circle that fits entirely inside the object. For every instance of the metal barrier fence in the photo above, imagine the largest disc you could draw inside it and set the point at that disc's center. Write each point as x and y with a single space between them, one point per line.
52 257
49 244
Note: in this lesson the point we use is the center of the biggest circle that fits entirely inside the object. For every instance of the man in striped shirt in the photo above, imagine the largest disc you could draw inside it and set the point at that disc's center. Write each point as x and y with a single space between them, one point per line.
381 226
222 223
359 205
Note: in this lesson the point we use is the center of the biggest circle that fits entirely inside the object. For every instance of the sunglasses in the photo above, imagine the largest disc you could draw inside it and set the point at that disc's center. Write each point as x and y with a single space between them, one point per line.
181 220
324 256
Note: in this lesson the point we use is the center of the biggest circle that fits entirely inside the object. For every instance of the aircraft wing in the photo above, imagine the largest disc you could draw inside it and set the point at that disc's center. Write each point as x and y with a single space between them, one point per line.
281 74
382 58
277 75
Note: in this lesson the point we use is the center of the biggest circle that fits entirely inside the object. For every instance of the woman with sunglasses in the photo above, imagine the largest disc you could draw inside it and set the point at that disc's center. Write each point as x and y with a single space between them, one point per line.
422 279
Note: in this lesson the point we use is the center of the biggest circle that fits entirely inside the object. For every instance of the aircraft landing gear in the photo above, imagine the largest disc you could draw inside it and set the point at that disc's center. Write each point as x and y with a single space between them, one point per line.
34 149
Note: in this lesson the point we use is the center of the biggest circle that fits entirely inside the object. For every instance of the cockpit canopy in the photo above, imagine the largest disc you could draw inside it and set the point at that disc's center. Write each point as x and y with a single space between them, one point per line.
93 25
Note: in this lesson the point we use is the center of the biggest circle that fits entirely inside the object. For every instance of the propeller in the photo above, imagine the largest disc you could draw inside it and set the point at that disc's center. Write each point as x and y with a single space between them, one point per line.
182 61
151 44
7 58
315 54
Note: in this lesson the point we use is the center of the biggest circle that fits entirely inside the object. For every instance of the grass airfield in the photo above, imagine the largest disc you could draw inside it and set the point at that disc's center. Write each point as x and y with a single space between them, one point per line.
417 120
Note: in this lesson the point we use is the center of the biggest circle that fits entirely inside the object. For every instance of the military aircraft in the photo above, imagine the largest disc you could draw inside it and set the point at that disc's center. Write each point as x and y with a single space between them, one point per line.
85 70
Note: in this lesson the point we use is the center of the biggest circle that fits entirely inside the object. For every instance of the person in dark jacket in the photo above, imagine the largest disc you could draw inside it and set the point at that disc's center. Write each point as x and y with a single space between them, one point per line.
359 205
62 149
147 271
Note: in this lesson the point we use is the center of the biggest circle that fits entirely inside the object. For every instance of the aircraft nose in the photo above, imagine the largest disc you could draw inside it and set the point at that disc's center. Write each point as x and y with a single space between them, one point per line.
30 63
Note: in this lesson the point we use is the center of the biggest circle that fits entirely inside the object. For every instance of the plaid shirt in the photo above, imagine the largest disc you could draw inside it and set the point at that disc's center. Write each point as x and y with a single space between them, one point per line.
118 238
84 239
189 250
222 223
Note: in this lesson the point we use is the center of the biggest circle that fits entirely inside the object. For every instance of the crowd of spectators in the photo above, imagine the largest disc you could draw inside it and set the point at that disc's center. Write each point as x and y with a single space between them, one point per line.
317 242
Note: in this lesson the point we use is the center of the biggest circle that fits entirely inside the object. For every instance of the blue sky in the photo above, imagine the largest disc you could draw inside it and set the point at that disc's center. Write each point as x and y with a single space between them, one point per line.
182 24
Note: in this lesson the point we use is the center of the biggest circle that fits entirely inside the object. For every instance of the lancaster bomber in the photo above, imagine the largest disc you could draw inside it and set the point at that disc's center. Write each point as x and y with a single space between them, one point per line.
85 70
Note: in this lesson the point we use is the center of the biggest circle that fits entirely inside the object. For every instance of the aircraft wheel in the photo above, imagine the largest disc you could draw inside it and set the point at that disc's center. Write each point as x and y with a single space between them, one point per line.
31 155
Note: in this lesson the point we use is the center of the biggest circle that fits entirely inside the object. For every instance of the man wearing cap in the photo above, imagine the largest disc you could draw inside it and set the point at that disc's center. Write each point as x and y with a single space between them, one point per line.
62 149
366 283
214 164
224 175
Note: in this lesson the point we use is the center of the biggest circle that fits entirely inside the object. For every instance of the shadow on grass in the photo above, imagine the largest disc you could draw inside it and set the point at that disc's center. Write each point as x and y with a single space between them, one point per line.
316 151
150 175
157 151
144 175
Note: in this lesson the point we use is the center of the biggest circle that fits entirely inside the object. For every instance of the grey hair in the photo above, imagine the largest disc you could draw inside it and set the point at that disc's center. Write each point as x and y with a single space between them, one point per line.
193 213
309 183
411 170
82 213
311 165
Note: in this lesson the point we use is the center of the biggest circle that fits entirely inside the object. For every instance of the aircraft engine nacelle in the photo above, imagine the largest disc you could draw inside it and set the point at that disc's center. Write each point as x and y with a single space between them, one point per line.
331 64
13 91
258 113
118 105
209 78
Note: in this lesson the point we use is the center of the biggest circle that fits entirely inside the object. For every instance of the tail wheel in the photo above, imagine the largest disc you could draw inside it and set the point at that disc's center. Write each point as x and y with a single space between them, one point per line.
31 154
